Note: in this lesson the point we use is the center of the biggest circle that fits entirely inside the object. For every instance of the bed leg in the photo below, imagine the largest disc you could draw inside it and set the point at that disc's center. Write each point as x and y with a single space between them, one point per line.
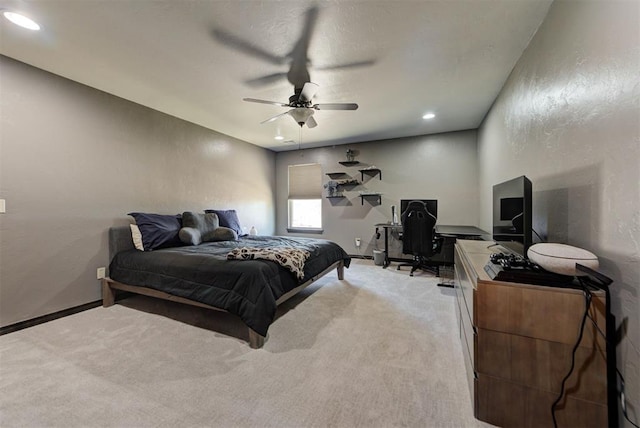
255 340
340 270
108 294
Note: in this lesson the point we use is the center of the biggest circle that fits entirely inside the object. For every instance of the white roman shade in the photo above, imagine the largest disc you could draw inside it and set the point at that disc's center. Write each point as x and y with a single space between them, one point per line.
305 181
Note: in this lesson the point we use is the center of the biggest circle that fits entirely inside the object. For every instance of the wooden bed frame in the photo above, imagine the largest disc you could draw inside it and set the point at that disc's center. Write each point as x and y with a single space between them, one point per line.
110 287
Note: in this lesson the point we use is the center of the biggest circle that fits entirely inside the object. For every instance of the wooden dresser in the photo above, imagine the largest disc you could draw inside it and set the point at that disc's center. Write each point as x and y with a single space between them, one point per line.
517 340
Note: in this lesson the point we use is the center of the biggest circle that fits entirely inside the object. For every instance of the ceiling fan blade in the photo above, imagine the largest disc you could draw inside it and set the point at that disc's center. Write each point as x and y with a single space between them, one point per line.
298 72
364 63
246 46
275 103
311 17
265 80
311 122
309 90
276 117
336 106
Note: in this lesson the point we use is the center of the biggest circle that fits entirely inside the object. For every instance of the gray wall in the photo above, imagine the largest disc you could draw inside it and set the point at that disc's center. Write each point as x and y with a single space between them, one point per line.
569 118
74 161
442 166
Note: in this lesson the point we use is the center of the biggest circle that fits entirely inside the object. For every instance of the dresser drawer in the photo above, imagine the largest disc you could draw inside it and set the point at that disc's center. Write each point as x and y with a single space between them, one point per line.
464 284
518 341
469 365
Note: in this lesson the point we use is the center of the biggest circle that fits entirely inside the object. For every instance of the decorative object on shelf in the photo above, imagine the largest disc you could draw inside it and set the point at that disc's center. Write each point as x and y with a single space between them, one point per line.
332 189
350 155
253 231
347 182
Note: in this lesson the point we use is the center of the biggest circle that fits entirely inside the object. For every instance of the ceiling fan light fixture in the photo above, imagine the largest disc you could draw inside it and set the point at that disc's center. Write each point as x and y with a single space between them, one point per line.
21 20
301 114
279 137
428 116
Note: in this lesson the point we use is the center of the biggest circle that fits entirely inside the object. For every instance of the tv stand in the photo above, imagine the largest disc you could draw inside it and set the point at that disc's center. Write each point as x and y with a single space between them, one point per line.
517 339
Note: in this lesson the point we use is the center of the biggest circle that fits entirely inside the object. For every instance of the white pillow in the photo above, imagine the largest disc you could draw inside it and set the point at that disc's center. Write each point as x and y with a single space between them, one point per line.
561 258
136 236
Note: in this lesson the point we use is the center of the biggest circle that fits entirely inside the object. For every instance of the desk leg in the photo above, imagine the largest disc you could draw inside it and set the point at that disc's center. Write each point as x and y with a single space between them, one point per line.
386 262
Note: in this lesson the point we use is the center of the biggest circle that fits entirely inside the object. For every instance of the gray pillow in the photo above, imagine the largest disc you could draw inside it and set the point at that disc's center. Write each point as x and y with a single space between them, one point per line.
224 234
190 236
204 223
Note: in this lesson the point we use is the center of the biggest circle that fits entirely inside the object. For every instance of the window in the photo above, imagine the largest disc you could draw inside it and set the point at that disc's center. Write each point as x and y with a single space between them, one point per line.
305 198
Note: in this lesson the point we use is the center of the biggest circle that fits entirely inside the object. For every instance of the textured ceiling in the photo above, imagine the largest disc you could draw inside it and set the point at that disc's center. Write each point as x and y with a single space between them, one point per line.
197 59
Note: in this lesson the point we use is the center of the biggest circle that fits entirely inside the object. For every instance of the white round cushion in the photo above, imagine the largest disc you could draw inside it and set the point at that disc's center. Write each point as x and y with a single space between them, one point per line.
561 258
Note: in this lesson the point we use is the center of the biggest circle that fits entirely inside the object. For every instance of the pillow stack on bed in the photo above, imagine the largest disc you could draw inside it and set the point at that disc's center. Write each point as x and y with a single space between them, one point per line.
155 231
228 218
198 228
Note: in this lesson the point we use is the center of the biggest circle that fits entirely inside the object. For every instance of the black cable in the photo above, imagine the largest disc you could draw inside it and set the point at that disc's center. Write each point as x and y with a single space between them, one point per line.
539 237
623 400
587 303
609 340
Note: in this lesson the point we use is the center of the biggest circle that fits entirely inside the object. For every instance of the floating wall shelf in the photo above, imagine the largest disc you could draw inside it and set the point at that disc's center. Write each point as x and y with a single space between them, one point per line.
370 171
348 163
377 196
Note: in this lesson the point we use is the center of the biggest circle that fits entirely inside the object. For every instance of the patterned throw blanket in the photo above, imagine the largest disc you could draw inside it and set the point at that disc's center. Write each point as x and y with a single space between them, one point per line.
289 258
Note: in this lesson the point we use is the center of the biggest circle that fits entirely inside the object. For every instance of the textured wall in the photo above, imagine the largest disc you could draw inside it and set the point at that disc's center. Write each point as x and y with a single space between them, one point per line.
442 166
569 118
74 161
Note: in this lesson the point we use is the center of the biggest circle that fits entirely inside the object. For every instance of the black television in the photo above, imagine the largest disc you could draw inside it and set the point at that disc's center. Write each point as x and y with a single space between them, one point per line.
432 205
512 214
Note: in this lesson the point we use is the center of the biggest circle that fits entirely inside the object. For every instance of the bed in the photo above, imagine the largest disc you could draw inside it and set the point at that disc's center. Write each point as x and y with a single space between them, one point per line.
201 275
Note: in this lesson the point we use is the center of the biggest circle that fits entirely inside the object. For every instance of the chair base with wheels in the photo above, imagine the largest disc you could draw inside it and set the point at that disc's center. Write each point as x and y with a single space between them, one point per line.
420 262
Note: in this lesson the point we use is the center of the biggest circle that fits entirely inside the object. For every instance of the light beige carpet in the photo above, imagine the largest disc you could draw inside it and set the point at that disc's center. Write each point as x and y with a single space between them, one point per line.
379 349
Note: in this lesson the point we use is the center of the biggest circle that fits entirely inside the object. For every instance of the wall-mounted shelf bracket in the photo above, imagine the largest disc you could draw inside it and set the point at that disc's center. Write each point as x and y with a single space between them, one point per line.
376 196
370 171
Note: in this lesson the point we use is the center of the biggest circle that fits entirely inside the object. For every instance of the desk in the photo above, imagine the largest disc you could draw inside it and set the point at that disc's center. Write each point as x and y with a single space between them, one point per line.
462 232
445 231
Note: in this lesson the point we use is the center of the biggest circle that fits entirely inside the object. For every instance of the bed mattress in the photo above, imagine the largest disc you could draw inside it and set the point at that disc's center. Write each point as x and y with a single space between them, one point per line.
247 288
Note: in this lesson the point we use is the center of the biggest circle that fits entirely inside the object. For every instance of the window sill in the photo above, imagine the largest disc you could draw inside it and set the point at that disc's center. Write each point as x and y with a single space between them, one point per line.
304 230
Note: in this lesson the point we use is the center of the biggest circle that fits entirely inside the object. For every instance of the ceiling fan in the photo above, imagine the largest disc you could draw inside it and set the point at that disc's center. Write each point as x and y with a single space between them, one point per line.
302 109
297 59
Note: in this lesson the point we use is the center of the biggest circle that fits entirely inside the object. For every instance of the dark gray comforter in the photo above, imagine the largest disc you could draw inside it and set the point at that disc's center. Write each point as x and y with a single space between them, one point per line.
247 288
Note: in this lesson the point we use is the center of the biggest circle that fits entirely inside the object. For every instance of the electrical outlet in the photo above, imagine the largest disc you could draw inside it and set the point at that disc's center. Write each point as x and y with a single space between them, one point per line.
101 273
358 242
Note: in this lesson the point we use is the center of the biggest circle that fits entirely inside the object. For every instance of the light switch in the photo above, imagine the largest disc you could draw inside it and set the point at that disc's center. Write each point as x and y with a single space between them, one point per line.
3 207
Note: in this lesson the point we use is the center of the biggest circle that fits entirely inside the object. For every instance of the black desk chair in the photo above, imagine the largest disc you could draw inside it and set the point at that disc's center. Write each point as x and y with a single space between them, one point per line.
418 237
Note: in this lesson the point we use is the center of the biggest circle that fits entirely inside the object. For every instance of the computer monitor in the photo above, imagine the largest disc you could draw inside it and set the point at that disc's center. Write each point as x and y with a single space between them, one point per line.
511 207
512 214
432 205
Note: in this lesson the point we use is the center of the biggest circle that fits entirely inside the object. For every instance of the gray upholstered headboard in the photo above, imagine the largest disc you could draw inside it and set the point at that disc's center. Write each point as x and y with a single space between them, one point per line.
119 240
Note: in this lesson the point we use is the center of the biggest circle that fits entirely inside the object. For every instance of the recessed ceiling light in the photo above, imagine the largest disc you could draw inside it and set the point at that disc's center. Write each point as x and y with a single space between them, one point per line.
429 116
21 20
279 137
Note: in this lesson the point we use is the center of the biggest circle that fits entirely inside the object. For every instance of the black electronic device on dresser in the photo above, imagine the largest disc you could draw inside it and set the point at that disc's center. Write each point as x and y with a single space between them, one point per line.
512 214
511 267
